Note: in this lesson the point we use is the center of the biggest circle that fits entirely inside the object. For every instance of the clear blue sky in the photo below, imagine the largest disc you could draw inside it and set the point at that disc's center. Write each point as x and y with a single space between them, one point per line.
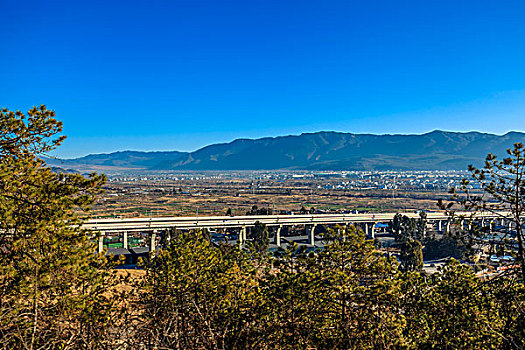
180 74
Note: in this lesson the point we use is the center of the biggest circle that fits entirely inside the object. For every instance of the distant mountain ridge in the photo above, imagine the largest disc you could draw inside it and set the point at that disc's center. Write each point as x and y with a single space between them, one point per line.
325 150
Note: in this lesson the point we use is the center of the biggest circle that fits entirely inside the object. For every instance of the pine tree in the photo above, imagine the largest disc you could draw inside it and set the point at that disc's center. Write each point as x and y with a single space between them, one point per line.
52 286
502 194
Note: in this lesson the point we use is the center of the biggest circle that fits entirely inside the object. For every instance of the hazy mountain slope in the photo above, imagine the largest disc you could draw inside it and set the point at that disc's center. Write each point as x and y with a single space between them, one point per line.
323 151
331 150
124 159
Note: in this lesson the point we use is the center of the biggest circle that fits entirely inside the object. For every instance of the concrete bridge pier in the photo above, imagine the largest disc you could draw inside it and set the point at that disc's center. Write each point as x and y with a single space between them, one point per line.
278 235
372 231
440 228
101 243
242 235
125 239
311 236
153 241
169 233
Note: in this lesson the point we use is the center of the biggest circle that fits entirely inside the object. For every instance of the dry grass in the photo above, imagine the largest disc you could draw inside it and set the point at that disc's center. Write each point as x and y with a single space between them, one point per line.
215 196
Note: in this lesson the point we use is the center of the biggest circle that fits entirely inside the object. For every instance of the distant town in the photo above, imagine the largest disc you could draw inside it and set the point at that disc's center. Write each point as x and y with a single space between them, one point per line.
214 192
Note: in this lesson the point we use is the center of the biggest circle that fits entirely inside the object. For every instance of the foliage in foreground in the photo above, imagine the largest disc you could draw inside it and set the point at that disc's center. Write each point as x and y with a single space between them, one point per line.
55 293
503 195
348 296
52 286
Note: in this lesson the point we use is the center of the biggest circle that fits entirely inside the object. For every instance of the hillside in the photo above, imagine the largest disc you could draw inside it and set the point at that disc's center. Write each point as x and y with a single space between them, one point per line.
438 150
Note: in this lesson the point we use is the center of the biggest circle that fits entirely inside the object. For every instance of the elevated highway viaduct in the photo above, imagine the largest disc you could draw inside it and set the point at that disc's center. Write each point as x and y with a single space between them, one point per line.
367 222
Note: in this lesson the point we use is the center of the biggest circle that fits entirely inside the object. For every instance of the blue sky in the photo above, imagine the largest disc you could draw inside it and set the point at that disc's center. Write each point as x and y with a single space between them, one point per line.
180 74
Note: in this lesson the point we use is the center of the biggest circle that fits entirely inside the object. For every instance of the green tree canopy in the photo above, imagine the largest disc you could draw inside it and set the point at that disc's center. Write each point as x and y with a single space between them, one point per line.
411 255
51 292
502 193
405 228
260 238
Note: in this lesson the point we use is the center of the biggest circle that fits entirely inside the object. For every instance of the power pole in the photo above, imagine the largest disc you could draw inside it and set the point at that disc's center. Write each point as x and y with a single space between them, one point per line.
394 192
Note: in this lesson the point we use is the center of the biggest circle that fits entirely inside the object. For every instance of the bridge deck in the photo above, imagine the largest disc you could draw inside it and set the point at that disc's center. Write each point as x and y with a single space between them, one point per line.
191 222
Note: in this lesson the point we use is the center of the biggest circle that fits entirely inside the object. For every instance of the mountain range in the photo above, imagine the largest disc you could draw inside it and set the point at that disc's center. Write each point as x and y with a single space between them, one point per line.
325 150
